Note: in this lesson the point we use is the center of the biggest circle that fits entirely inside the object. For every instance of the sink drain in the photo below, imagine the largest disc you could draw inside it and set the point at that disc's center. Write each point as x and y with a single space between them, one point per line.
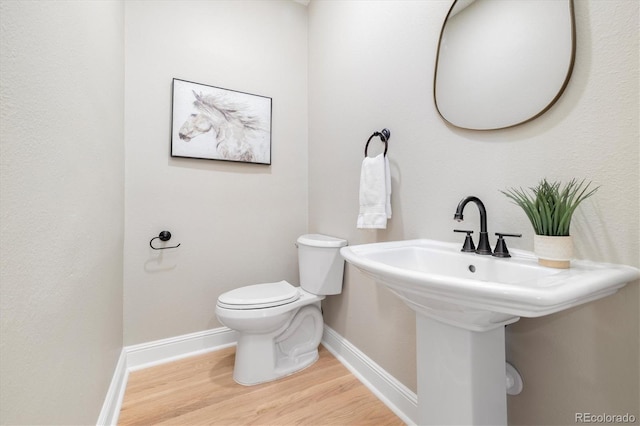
472 268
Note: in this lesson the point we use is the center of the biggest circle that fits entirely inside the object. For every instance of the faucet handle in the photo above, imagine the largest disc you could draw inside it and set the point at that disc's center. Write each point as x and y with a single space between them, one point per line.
468 246
501 246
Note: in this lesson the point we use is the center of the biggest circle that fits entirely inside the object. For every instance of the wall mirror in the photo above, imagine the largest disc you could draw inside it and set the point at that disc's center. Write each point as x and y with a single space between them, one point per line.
502 63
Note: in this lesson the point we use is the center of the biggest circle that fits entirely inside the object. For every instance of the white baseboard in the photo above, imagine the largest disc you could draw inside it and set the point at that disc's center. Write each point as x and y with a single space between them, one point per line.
137 357
115 393
391 392
158 352
400 399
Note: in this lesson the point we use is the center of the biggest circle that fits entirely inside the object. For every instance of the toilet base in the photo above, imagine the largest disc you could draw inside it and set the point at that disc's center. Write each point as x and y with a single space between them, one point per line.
252 377
262 358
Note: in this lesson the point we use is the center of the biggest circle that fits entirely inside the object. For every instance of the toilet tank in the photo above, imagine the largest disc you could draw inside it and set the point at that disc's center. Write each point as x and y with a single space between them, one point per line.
321 266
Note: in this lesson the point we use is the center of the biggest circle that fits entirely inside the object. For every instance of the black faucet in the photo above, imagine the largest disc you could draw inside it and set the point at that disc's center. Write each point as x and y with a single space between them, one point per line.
483 244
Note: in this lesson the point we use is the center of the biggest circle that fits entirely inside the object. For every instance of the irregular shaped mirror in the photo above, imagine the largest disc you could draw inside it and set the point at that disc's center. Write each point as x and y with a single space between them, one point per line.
503 62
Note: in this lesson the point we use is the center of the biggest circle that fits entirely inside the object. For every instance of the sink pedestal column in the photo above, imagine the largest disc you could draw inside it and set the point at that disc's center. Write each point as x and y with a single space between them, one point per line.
461 375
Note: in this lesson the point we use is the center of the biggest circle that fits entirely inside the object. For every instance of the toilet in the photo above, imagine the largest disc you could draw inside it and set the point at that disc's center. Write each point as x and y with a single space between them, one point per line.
280 326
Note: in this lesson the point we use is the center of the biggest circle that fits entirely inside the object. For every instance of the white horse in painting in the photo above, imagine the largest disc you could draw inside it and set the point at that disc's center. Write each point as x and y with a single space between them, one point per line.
231 123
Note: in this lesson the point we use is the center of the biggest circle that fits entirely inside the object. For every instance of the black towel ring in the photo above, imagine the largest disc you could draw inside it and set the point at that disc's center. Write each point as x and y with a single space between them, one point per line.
384 134
163 236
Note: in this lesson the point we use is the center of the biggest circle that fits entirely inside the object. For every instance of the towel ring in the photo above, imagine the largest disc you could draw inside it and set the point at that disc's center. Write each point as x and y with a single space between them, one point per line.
384 134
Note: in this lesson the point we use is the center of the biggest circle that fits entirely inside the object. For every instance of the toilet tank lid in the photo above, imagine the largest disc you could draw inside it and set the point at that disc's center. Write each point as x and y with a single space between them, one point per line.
319 240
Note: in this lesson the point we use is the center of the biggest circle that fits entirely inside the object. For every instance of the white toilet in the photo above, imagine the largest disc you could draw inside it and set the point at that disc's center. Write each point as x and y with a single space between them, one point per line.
280 326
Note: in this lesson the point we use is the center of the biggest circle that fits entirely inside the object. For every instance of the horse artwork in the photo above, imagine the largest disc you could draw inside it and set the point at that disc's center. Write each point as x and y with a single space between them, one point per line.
220 124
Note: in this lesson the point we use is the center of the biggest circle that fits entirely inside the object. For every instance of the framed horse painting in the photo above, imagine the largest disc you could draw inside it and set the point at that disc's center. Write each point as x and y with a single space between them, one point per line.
220 124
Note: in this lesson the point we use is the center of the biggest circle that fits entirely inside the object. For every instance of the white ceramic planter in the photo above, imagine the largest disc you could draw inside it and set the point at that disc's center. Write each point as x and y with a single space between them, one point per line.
553 252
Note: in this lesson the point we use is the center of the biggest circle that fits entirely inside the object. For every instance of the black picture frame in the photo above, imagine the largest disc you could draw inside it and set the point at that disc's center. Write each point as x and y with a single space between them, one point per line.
213 123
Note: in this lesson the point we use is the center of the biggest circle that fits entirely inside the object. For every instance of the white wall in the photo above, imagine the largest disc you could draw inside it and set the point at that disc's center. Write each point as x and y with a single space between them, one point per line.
237 223
61 209
371 66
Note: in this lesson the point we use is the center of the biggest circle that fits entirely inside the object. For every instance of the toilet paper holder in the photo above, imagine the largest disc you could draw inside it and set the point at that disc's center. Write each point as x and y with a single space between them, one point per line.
163 236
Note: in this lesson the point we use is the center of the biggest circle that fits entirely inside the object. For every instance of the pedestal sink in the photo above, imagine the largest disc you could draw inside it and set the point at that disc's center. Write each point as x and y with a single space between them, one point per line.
462 303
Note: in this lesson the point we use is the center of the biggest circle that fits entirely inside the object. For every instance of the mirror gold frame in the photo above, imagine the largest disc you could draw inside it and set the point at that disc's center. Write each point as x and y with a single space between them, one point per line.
502 63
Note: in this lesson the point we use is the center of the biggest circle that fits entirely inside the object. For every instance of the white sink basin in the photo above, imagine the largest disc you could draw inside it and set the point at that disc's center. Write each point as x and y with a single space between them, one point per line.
478 292
462 302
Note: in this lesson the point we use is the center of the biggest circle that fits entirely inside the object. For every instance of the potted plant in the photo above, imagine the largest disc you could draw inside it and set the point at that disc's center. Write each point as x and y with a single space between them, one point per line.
549 209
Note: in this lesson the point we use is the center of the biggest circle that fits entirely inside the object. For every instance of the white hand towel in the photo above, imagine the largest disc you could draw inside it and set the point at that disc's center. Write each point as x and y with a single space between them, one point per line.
387 173
375 193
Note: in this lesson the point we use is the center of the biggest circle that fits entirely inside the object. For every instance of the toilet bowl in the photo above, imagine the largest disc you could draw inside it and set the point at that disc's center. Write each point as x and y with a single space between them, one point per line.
279 325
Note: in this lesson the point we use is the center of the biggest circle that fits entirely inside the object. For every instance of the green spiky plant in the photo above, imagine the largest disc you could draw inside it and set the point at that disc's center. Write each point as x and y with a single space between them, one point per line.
551 206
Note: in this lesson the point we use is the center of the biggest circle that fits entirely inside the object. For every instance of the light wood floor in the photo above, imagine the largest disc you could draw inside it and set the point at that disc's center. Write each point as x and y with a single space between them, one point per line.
200 390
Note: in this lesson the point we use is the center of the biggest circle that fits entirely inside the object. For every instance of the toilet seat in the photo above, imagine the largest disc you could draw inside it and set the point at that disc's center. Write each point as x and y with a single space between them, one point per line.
259 296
